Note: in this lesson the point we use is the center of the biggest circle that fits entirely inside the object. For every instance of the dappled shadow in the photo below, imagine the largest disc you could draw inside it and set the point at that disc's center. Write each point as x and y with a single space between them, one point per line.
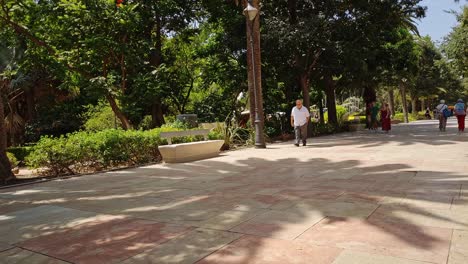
420 132
276 197
245 205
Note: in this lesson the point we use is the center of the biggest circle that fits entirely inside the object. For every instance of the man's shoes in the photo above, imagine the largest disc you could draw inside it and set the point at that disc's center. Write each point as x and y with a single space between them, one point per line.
297 145
304 144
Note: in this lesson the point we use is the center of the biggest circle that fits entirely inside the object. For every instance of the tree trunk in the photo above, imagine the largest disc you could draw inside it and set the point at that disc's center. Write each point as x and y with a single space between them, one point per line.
305 88
423 105
30 104
157 114
414 105
156 54
391 101
115 108
5 167
404 102
331 100
322 117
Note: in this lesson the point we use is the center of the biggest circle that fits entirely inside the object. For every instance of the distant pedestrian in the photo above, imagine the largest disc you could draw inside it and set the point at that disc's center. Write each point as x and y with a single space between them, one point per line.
300 117
460 112
428 114
385 117
374 112
369 116
443 114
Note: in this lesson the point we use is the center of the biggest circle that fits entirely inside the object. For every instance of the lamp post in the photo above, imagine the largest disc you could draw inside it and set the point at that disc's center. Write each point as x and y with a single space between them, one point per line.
251 14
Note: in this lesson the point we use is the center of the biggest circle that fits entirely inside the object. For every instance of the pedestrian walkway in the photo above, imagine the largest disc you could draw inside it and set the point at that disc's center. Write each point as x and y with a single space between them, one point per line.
356 198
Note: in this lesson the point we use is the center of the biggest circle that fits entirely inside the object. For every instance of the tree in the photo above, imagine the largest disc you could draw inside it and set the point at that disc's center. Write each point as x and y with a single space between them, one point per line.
429 77
455 46
338 44
5 167
101 46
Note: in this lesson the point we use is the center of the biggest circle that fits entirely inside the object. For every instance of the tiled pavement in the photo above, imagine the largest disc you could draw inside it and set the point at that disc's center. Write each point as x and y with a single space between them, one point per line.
357 198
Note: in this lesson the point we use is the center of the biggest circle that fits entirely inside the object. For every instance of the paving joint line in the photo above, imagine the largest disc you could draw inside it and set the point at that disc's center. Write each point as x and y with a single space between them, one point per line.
43 254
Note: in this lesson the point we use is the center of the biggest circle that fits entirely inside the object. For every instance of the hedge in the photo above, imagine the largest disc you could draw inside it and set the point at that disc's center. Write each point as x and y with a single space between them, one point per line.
20 152
86 151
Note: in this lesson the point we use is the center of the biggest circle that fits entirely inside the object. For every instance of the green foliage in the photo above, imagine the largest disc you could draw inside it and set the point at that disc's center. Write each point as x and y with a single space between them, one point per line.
400 117
146 123
13 160
167 57
93 151
233 135
323 129
456 45
20 152
177 124
55 119
101 117
340 114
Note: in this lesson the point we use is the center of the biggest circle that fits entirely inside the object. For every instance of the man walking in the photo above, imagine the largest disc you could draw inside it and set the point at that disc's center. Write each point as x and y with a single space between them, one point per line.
441 109
300 117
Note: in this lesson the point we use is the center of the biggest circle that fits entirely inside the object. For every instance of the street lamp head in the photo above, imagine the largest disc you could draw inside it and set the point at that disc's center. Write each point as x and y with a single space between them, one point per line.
250 11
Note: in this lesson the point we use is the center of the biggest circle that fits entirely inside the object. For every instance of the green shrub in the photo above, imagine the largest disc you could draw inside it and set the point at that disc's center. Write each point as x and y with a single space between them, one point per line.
215 135
400 117
101 117
88 151
232 135
340 114
323 129
20 152
177 124
13 160
146 123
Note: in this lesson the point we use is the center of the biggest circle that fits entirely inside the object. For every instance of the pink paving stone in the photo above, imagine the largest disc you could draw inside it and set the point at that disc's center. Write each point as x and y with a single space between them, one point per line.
104 242
383 238
279 224
255 250
361 197
258 201
322 193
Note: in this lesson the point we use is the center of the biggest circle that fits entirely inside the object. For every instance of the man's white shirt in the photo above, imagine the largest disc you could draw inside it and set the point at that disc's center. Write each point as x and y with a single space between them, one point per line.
300 115
441 107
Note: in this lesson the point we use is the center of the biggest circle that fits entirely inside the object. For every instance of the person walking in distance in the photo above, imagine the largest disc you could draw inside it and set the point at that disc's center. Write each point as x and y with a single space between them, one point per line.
300 117
460 112
442 112
385 116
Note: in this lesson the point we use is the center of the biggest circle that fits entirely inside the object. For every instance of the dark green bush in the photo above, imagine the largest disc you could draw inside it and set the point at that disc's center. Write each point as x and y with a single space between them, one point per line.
93 151
20 152
13 160
323 129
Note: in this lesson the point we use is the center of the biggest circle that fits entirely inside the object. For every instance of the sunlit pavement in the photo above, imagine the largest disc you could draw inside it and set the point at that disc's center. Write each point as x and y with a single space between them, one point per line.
349 198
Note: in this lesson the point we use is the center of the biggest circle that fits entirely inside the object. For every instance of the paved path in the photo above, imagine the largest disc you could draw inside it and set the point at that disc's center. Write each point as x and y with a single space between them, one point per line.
351 198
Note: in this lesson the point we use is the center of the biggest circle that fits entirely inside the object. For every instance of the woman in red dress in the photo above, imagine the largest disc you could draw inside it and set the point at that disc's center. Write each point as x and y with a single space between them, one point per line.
385 115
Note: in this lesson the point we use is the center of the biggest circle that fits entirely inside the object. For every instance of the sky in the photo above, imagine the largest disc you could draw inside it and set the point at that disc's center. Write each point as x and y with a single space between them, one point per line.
437 22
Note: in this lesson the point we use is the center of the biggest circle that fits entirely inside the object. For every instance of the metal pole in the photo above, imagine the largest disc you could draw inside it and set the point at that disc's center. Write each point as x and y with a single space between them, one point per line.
258 130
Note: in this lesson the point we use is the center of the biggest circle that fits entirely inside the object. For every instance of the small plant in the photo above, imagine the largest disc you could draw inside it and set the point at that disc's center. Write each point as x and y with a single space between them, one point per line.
13 160
177 124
